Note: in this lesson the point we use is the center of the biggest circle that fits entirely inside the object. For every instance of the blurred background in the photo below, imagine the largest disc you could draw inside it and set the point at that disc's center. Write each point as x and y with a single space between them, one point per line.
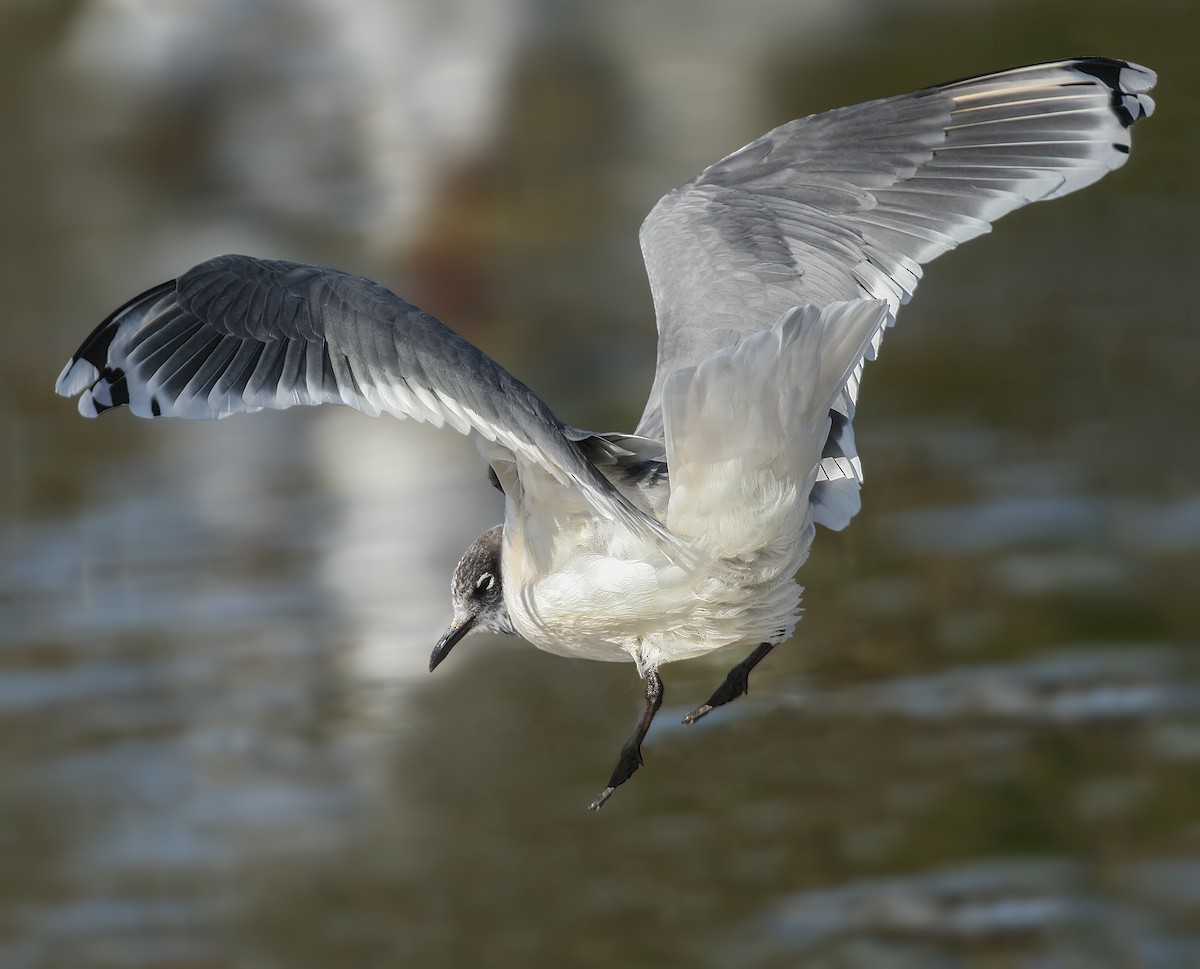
219 745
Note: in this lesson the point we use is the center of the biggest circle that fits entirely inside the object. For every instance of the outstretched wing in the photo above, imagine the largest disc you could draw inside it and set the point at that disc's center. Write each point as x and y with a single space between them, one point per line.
238 334
851 203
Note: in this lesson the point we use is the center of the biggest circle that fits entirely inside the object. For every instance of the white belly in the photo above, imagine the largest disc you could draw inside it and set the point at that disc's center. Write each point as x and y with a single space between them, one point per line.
597 595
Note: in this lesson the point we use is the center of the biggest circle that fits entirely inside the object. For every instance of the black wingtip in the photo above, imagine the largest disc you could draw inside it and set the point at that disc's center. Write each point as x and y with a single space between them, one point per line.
1128 105
95 348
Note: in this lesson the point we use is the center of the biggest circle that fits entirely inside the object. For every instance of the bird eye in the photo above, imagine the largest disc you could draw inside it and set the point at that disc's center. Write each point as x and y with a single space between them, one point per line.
485 582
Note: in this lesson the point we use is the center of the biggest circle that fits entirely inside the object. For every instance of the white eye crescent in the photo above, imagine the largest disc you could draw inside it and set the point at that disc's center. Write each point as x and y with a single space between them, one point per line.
485 582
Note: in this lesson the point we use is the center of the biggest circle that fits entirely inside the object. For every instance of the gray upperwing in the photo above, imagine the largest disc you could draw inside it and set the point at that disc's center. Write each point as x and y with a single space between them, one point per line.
851 203
238 334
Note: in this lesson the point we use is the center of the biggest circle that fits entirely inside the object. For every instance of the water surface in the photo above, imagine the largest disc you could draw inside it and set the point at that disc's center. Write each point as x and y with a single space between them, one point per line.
219 744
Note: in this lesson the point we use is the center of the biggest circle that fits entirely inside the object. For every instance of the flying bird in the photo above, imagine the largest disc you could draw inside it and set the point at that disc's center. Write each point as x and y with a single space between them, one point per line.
774 273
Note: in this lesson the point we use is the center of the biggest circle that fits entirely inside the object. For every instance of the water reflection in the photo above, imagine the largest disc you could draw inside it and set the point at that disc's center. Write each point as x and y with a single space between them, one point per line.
1076 686
218 741
1027 912
185 699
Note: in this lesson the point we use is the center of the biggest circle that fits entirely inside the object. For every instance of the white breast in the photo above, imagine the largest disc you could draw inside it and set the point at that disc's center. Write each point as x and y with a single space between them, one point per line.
598 595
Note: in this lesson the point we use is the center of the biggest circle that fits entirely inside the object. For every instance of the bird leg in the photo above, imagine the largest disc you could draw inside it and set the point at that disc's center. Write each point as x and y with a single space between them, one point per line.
736 683
631 754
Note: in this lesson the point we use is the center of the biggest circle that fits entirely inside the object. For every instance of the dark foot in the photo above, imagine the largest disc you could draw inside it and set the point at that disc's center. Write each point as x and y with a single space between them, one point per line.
630 758
735 684
629 761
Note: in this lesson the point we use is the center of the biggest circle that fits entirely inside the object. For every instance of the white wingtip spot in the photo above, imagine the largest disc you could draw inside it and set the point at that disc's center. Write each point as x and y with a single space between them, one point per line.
77 375
87 406
1139 80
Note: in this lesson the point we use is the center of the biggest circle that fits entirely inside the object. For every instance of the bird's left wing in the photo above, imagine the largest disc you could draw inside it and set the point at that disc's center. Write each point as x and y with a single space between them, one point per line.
238 334
850 204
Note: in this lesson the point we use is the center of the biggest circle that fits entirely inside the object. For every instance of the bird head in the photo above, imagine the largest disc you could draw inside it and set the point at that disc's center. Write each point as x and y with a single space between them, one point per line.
476 594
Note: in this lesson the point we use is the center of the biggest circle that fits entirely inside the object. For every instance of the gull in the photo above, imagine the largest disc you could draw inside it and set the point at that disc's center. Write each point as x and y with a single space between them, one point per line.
774 274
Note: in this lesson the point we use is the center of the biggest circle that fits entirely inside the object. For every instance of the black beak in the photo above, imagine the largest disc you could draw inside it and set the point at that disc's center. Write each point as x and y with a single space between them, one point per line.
451 636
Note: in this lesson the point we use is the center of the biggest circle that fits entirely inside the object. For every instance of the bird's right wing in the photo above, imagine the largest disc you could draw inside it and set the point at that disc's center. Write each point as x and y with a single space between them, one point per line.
238 334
